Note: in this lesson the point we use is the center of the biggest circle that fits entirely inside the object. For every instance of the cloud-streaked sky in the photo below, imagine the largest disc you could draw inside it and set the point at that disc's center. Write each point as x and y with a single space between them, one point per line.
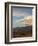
20 13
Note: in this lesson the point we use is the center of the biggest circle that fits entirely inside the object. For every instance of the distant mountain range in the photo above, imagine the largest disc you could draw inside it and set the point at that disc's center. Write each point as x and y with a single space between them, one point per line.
27 28
22 32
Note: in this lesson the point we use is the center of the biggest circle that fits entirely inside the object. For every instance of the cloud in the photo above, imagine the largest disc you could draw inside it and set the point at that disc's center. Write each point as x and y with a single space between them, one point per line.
24 12
21 12
18 14
25 20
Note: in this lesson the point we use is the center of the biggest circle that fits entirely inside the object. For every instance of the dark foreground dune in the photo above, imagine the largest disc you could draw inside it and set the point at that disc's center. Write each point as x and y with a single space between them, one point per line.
22 32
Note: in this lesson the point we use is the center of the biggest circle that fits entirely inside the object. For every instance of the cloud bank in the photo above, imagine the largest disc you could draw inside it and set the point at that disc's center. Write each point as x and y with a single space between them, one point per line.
25 20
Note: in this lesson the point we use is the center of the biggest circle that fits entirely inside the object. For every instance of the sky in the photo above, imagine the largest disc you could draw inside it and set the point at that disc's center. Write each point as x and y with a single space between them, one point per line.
19 13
